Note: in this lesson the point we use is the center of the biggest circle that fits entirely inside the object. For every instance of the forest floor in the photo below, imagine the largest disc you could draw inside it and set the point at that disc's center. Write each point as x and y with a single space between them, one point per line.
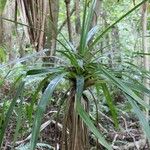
129 136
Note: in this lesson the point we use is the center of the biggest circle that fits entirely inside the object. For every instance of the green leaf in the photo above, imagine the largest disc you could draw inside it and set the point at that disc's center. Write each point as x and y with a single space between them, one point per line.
91 33
2 80
40 86
141 69
139 87
80 86
141 116
44 71
123 87
10 110
19 119
140 53
69 55
2 5
112 25
87 20
46 97
85 117
2 54
82 39
110 103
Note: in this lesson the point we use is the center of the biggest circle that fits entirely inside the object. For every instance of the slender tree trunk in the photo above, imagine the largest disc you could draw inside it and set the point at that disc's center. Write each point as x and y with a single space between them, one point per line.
23 18
2 6
51 35
34 13
9 12
77 17
68 19
115 47
107 41
145 49
1 28
51 30
65 21
75 132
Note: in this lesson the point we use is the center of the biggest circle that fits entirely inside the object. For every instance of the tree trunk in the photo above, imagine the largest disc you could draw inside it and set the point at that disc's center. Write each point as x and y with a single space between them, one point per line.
69 20
77 17
115 47
9 12
51 31
1 29
75 132
34 13
2 6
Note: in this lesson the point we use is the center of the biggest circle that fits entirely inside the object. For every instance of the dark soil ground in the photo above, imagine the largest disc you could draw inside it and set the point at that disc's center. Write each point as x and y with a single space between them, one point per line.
129 136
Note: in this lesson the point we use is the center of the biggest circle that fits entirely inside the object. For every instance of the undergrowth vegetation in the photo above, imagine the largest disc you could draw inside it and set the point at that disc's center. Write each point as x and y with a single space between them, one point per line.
77 101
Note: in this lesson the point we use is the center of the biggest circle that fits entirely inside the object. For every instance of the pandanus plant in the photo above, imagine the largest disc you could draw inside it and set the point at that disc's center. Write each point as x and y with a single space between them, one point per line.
82 71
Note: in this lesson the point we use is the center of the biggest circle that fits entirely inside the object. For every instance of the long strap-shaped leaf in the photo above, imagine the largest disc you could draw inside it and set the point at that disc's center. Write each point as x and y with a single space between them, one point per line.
139 87
86 26
10 110
85 117
45 71
41 108
110 103
34 97
109 27
18 119
141 116
123 87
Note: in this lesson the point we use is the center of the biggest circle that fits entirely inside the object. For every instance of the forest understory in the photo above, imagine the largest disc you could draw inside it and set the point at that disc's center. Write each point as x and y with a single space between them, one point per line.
129 136
74 75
